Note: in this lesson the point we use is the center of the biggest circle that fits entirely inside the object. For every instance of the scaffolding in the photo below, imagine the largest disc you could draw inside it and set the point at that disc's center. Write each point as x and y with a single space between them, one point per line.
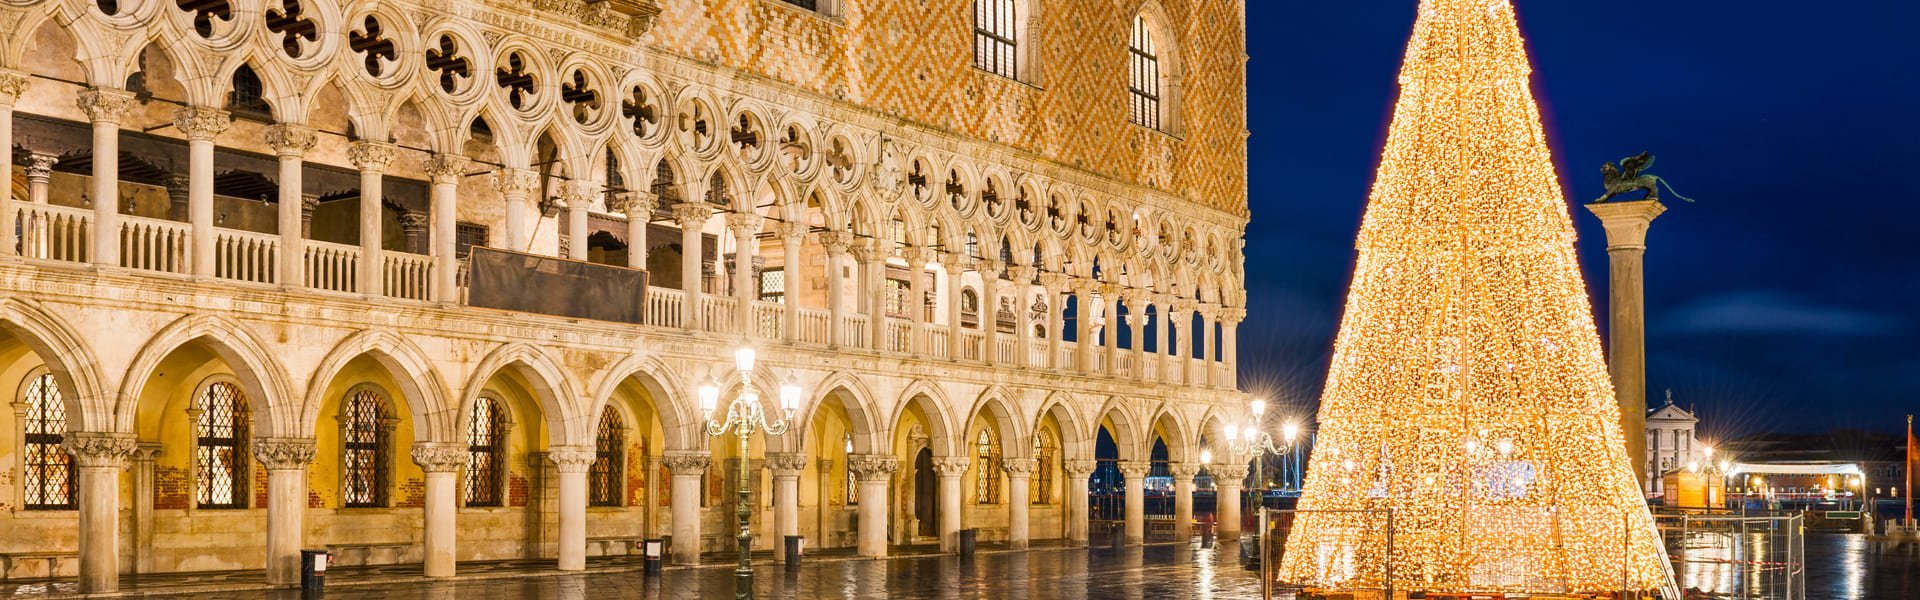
1725 555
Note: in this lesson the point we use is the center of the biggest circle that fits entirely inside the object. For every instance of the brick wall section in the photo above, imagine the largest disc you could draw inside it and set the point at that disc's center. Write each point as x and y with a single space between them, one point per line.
516 489
170 488
914 60
259 483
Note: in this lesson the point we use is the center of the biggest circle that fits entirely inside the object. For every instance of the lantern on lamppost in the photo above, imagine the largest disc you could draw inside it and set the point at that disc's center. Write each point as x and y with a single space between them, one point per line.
745 416
1255 441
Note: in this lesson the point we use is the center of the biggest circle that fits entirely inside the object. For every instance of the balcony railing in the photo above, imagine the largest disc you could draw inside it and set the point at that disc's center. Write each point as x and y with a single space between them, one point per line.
813 326
407 276
55 232
665 307
333 267
154 244
769 319
246 256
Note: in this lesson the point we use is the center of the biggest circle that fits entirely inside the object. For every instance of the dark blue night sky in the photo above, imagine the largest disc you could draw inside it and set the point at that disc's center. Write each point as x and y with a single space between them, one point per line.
1787 299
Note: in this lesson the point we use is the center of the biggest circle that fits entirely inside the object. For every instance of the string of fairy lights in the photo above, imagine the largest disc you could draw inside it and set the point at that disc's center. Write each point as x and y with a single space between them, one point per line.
1468 394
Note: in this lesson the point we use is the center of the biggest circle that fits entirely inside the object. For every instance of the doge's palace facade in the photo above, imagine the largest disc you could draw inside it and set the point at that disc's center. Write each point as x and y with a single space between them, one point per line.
979 235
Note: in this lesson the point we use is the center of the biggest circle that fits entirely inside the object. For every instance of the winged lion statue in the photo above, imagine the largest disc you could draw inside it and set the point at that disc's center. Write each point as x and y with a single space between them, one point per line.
1628 178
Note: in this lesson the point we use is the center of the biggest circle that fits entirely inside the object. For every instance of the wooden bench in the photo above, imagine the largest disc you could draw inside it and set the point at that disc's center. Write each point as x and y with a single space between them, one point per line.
376 553
627 544
16 565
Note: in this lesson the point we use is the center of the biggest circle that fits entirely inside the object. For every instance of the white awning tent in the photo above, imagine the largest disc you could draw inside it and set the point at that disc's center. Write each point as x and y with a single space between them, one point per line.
1797 468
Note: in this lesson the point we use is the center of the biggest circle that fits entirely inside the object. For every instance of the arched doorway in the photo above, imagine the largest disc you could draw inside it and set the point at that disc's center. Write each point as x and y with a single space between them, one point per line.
926 495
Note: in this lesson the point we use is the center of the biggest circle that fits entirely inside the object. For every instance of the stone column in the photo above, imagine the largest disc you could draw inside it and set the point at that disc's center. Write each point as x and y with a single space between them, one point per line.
414 228
143 455
1209 339
1019 474
104 108
440 462
39 175
793 236
874 471
446 170
917 259
639 207
13 84
989 308
286 461
687 468
516 189
955 266
837 244
746 245
1162 332
1137 331
99 458
1228 481
1083 325
372 158
873 262
1183 474
1135 475
179 196
1076 472
201 124
1110 300
579 197
786 469
1230 318
572 462
692 217
308 202
291 143
19 438
1022 325
1626 224
1177 351
950 469
1056 285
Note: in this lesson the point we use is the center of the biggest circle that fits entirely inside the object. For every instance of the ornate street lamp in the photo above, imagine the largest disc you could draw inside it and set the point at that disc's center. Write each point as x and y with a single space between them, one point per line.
744 416
1257 442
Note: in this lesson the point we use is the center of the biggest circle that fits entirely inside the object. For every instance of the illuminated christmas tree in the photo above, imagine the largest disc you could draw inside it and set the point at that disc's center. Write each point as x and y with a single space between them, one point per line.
1468 394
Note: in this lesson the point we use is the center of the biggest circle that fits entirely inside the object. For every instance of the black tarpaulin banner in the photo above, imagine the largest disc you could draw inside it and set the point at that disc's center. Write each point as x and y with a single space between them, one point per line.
555 286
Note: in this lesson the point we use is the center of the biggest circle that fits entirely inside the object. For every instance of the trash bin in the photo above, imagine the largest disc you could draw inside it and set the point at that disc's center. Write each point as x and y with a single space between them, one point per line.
795 544
968 537
313 570
656 549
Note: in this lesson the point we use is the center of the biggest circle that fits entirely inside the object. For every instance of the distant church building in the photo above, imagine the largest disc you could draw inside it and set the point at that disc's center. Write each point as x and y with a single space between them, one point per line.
1670 442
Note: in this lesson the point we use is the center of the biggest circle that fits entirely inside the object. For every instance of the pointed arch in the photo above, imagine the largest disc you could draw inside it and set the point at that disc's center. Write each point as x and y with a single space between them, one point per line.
1171 427
1128 436
938 410
421 387
858 401
552 389
998 404
253 364
1076 437
667 388
67 357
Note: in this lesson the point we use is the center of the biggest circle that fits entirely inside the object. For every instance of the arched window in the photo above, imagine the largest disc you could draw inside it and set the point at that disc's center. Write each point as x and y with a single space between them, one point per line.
49 476
247 99
220 463
1143 81
995 38
486 451
1044 450
969 308
664 186
604 477
717 190
986 483
853 483
364 457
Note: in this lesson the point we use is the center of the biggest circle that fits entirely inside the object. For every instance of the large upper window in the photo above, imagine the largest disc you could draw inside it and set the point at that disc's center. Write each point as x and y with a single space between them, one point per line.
995 42
986 485
49 476
220 452
603 478
1143 81
364 456
486 446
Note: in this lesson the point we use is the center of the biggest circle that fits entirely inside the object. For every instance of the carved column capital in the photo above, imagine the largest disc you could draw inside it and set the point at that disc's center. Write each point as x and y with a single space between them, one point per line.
1232 315
446 168
290 140
201 123
786 464
13 85
953 263
99 450
571 459
1209 310
105 105
641 204
1024 274
950 466
836 242
145 452
40 166
1228 475
790 230
283 454
580 193
435 457
869 251
1056 282
1019 468
1079 468
1134 469
692 215
744 223
413 222
989 269
516 181
1183 471
872 467
371 156
686 463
